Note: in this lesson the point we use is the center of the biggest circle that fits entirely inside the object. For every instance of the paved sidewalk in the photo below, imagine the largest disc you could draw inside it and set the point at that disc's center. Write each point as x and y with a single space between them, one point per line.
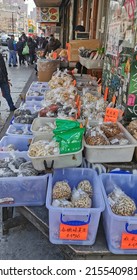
21 77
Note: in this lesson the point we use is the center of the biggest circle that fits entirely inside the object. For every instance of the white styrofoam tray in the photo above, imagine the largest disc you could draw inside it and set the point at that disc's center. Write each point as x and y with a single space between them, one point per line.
111 153
60 161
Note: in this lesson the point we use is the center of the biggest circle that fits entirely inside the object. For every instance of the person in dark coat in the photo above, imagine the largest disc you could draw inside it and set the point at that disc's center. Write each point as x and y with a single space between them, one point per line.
45 42
19 47
12 52
52 45
32 47
4 84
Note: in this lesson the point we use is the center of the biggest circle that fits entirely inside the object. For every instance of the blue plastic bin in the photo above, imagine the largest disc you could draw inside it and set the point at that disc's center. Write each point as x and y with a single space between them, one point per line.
75 216
25 191
115 225
20 143
16 127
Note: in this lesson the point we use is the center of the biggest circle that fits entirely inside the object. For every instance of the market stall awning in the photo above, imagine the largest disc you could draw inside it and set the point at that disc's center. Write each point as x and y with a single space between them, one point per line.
47 3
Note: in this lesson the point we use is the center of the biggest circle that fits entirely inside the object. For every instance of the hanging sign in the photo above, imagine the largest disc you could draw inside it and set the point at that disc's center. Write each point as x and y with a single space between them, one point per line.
48 14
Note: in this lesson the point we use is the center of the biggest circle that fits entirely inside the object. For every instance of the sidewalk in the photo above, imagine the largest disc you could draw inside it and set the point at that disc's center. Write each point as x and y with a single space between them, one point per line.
25 241
21 77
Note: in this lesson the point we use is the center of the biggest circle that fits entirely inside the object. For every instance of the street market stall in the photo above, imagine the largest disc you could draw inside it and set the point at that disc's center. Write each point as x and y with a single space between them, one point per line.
63 137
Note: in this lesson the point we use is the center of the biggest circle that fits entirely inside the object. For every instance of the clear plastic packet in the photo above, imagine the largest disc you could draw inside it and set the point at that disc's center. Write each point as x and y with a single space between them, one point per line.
62 203
61 190
86 187
120 203
80 199
96 137
27 169
44 148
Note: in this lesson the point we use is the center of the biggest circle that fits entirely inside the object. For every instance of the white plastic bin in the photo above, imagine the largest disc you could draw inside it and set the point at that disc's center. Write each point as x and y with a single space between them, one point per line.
117 226
60 161
41 122
111 153
75 216
20 143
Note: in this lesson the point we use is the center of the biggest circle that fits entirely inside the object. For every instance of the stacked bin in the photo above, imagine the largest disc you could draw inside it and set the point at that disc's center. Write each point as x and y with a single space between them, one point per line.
75 218
120 231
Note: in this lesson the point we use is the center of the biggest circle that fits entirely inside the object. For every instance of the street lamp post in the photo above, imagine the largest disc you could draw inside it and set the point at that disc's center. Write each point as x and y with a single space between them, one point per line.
13 23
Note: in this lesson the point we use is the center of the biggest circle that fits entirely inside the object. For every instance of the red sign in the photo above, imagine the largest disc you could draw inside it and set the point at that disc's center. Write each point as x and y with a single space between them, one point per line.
129 241
73 232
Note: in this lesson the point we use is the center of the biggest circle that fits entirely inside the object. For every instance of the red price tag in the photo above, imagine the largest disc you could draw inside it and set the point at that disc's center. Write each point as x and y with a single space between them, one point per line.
111 115
129 241
73 232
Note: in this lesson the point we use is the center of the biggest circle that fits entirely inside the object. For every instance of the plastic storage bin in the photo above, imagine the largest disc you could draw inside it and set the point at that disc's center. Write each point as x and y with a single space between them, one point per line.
41 122
20 143
60 161
25 191
75 216
14 127
111 153
117 226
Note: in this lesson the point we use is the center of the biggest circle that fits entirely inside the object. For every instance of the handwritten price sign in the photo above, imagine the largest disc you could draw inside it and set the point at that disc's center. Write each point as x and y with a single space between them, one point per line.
73 232
129 241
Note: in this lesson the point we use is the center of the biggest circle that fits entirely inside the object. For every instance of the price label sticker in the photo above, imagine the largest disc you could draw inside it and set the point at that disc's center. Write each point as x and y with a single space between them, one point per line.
111 115
129 241
69 232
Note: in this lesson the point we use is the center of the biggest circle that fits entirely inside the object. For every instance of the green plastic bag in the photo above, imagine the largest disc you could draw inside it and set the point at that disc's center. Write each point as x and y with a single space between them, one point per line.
25 50
70 141
65 125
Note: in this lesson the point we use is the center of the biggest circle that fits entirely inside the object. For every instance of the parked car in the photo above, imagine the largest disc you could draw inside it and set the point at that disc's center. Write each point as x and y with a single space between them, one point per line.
4 39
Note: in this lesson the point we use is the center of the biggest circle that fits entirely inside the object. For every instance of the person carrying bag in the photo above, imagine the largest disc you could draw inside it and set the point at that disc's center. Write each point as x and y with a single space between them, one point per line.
25 49
25 52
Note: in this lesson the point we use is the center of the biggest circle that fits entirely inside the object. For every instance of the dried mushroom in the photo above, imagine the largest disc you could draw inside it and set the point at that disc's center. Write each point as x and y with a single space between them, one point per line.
61 189
86 187
121 204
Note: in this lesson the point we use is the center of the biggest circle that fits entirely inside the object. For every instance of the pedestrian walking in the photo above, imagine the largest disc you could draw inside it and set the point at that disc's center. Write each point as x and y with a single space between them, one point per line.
12 52
32 47
4 84
19 47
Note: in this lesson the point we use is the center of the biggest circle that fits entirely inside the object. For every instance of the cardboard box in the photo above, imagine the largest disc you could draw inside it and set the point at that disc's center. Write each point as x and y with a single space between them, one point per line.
74 45
46 69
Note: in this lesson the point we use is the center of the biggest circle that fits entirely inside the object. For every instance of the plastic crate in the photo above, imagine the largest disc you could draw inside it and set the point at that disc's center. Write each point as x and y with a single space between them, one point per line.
41 122
60 161
34 98
75 216
33 102
20 143
116 226
14 127
111 153
25 191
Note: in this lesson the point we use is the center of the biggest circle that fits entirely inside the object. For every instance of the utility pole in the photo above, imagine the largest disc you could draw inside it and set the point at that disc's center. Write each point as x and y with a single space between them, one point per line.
13 23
